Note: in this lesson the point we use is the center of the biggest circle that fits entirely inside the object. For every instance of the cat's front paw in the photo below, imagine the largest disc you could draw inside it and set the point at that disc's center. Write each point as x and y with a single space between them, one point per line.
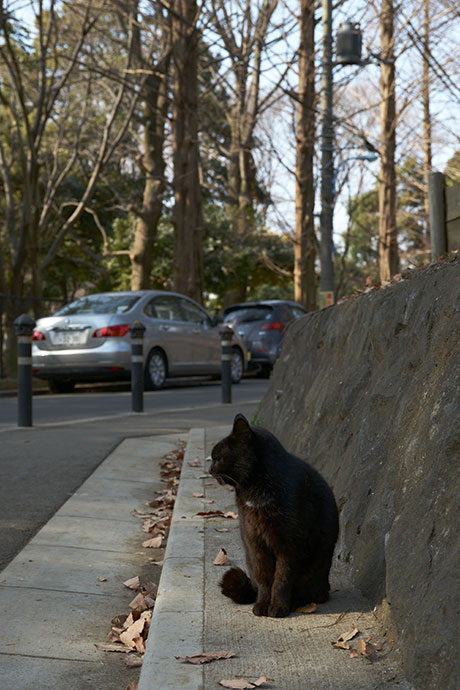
260 609
278 610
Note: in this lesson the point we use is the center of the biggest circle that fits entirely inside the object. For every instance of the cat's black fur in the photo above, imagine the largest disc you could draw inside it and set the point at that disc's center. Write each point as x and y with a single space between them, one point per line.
288 520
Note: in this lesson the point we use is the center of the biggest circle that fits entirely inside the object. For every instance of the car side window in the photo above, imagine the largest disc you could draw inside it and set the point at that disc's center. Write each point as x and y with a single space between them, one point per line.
164 307
194 314
297 313
149 309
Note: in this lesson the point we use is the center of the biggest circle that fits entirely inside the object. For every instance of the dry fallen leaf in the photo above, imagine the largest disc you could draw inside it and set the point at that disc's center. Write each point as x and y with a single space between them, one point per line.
222 558
340 645
195 463
242 683
206 657
119 620
310 608
149 589
134 685
342 640
223 529
134 661
362 647
112 648
207 500
132 636
153 543
236 683
133 583
102 579
197 494
139 603
219 513
367 648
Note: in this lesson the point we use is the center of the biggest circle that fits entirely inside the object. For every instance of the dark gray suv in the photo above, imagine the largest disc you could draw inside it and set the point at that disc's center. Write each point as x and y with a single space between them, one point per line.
261 326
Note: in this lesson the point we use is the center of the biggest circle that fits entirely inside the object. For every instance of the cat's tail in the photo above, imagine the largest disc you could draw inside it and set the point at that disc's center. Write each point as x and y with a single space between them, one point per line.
237 585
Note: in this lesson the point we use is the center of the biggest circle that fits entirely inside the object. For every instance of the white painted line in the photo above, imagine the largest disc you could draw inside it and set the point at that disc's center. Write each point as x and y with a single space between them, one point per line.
89 420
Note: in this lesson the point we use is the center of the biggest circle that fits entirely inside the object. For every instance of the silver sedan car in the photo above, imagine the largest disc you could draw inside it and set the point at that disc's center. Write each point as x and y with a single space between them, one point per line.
89 340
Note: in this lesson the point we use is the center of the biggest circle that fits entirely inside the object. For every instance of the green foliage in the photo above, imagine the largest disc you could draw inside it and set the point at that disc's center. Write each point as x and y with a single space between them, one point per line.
452 170
229 262
360 258
411 219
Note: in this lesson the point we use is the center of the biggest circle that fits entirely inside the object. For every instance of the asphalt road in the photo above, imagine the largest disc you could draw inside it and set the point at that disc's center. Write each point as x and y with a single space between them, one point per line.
41 466
108 401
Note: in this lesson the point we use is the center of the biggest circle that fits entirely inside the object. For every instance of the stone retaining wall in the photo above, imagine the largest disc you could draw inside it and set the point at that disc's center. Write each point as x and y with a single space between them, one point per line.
369 392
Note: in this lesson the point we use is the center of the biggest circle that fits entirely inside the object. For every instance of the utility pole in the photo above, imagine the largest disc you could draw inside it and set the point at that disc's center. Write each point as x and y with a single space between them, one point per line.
326 284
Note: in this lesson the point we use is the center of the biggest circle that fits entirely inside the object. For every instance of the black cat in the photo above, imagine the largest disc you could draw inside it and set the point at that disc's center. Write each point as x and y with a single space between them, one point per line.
288 520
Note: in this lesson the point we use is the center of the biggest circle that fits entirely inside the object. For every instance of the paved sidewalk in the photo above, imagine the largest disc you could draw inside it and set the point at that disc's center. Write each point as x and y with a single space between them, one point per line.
191 616
58 596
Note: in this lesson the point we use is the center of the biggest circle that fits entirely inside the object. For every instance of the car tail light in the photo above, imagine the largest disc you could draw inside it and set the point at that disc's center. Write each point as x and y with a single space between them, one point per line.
111 331
272 326
38 335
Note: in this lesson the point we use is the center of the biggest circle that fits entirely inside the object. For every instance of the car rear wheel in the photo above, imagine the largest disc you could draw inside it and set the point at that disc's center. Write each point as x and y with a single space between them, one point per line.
61 386
237 365
155 371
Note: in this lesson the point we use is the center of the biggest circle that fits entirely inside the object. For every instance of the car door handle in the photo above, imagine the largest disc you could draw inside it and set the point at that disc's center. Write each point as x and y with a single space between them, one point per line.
164 327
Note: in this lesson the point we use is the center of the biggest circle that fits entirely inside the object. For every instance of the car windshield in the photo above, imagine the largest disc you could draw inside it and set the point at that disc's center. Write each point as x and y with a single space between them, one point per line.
248 314
99 304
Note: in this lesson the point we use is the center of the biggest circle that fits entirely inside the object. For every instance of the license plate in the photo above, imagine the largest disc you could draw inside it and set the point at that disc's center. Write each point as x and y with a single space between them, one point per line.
69 338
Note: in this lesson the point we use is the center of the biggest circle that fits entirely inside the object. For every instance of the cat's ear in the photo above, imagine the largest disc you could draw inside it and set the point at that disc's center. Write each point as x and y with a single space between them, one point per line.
241 425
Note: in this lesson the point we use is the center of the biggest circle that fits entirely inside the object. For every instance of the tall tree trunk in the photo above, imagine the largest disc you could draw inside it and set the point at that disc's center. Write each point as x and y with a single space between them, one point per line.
426 117
304 245
153 164
188 250
388 245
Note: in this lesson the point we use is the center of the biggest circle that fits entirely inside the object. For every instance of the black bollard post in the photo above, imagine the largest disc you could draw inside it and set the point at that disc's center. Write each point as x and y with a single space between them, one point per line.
24 328
137 331
226 335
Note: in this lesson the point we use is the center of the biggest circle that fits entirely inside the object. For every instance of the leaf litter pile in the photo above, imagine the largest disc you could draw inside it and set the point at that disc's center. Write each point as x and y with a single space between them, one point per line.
366 648
129 631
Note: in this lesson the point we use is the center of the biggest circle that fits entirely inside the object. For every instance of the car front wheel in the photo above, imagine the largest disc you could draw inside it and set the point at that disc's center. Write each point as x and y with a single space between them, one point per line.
155 371
237 365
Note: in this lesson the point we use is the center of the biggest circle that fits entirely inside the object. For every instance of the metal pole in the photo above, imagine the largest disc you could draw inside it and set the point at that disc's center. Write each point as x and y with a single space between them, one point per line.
226 335
436 202
326 284
137 331
24 328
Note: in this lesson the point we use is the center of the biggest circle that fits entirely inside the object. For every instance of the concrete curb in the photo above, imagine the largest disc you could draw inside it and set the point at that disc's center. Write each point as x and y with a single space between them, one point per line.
177 623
